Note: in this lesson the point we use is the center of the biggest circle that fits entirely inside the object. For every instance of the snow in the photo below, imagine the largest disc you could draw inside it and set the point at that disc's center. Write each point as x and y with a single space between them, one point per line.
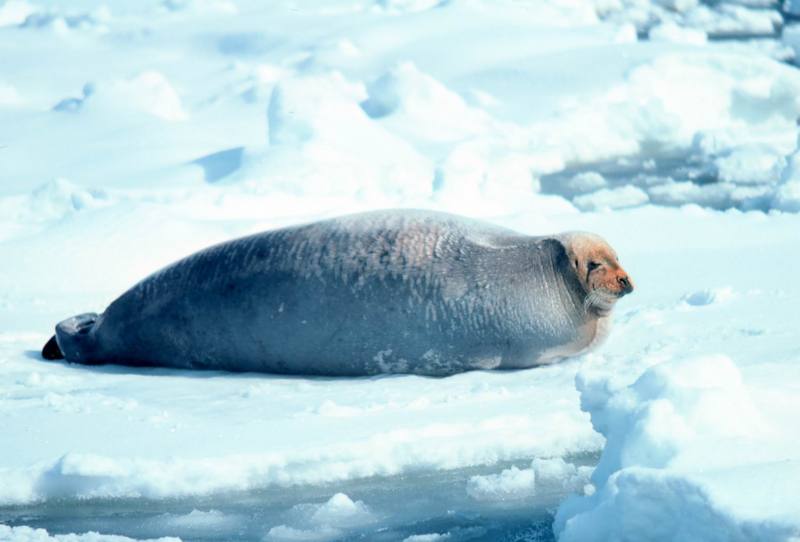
148 92
247 454
327 521
787 196
707 297
718 19
678 440
509 484
432 537
14 12
26 534
132 134
517 483
611 198
671 32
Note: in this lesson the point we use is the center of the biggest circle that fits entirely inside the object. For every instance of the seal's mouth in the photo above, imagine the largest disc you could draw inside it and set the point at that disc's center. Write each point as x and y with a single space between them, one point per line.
601 301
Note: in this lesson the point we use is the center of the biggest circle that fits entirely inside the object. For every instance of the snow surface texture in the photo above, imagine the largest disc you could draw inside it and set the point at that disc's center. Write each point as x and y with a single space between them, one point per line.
662 458
134 133
26 534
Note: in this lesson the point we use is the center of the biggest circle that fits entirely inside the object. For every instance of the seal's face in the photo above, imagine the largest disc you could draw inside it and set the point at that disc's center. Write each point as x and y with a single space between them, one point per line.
598 270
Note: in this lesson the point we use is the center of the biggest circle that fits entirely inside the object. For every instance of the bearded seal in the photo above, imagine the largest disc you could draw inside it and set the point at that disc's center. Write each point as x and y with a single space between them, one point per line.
400 291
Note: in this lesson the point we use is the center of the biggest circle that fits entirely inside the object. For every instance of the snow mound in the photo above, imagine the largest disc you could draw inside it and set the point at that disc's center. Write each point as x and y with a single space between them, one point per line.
408 6
318 138
720 146
611 198
708 297
750 165
194 7
718 19
672 33
787 195
741 95
582 183
308 108
51 201
517 483
651 505
511 483
320 522
556 471
27 534
478 176
428 537
59 197
791 36
149 92
672 437
63 23
9 96
14 12
730 19
420 107
198 520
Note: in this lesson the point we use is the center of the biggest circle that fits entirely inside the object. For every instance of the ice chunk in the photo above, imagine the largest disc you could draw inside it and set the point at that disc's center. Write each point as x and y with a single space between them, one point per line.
322 142
327 521
750 164
583 183
341 511
728 18
511 483
199 519
611 198
663 432
677 5
428 537
27 534
671 32
787 196
557 472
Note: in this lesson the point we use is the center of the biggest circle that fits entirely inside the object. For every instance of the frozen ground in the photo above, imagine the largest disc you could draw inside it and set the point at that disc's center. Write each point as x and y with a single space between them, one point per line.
134 133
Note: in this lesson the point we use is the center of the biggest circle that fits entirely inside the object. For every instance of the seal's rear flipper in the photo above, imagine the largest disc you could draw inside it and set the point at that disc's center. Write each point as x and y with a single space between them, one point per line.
51 350
75 338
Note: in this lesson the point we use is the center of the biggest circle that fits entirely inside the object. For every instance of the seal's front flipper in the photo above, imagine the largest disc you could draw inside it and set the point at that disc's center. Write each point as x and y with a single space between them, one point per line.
75 338
51 350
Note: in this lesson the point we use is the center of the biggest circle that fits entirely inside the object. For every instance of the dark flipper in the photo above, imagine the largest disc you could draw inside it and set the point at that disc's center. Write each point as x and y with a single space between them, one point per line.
51 350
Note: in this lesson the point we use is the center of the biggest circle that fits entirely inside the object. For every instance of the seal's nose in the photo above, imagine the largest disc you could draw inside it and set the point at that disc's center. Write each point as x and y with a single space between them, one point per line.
626 284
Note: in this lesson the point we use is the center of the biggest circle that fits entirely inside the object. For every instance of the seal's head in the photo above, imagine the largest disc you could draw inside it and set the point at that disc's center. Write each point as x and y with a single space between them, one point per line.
598 271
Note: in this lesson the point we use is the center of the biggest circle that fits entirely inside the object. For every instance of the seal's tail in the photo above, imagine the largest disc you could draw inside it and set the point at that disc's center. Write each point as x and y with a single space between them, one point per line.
73 339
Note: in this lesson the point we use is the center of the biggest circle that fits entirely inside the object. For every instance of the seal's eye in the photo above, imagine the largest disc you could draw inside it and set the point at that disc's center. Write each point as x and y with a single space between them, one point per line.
592 266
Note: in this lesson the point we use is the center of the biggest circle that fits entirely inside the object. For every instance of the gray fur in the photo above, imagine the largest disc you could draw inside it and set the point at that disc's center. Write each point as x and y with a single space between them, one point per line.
382 292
